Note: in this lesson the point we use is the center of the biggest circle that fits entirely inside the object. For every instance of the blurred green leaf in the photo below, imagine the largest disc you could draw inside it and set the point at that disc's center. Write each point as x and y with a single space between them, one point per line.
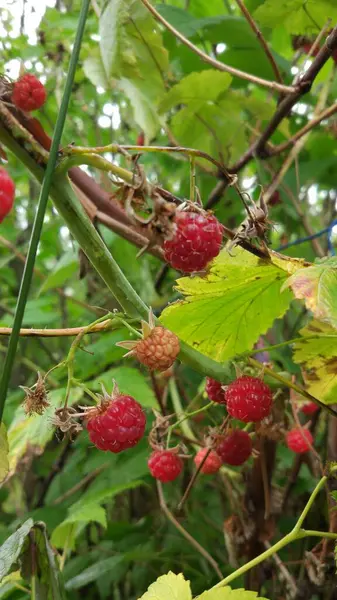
130 381
4 464
11 549
94 572
65 268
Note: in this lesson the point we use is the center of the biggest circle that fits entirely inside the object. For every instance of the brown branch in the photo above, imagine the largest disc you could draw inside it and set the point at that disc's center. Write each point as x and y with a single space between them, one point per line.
69 331
185 533
261 40
303 87
325 114
129 234
215 63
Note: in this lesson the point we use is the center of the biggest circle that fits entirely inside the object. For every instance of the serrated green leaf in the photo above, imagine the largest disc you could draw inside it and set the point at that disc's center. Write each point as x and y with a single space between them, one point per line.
225 312
317 286
318 357
11 549
227 593
31 434
169 587
65 268
197 89
129 381
4 463
297 16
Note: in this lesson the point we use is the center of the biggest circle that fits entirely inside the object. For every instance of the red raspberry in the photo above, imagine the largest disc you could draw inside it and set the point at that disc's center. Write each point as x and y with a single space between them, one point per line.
117 424
7 191
235 448
196 241
165 465
214 391
212 463
248 399
29 93
299 440
307 49
309 408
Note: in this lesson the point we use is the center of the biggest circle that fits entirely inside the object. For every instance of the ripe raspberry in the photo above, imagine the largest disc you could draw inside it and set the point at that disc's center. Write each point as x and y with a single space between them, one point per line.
248 399
309 408
307 49
212 463
7 191
117 424
214 391
299 440
235 447
196 241
29 93
165 465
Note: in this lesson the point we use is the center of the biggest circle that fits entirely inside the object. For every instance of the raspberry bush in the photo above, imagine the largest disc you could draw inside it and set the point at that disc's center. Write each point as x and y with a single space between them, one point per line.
168 232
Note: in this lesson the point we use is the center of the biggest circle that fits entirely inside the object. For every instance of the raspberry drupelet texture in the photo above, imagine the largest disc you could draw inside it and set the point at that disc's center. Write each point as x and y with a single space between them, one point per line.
248 399
196 241
235 447
117 425
165 465
214 391
299 440
212 463
29 93
309 408
159 350
7 192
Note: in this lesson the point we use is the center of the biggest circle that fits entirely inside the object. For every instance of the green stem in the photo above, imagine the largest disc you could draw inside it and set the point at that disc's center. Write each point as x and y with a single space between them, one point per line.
41 209
296 534
178 408
187 415
86 235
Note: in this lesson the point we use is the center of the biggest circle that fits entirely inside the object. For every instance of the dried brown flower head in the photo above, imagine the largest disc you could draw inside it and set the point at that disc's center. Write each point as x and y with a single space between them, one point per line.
36 399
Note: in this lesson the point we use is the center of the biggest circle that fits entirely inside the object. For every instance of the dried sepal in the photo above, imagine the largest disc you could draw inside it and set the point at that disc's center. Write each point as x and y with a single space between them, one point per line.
36 399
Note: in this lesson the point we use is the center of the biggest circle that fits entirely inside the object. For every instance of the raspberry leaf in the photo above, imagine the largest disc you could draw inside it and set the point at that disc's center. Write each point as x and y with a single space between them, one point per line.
225 312
317 354
293 16
169 587
316 285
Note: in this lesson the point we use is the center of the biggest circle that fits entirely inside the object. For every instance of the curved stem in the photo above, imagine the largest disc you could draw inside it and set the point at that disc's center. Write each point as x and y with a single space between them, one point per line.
41 209
215 63
296 534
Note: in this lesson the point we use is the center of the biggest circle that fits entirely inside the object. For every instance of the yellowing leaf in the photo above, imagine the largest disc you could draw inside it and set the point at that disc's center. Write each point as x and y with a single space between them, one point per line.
317 286
4 464
169 587
225 312
317 354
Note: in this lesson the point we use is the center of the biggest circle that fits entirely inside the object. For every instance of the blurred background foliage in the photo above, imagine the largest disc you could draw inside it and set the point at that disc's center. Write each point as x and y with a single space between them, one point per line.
101 510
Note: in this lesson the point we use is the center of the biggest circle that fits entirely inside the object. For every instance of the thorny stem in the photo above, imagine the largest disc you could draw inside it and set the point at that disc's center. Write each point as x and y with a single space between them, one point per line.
67 332
41 209
215 63
296 534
